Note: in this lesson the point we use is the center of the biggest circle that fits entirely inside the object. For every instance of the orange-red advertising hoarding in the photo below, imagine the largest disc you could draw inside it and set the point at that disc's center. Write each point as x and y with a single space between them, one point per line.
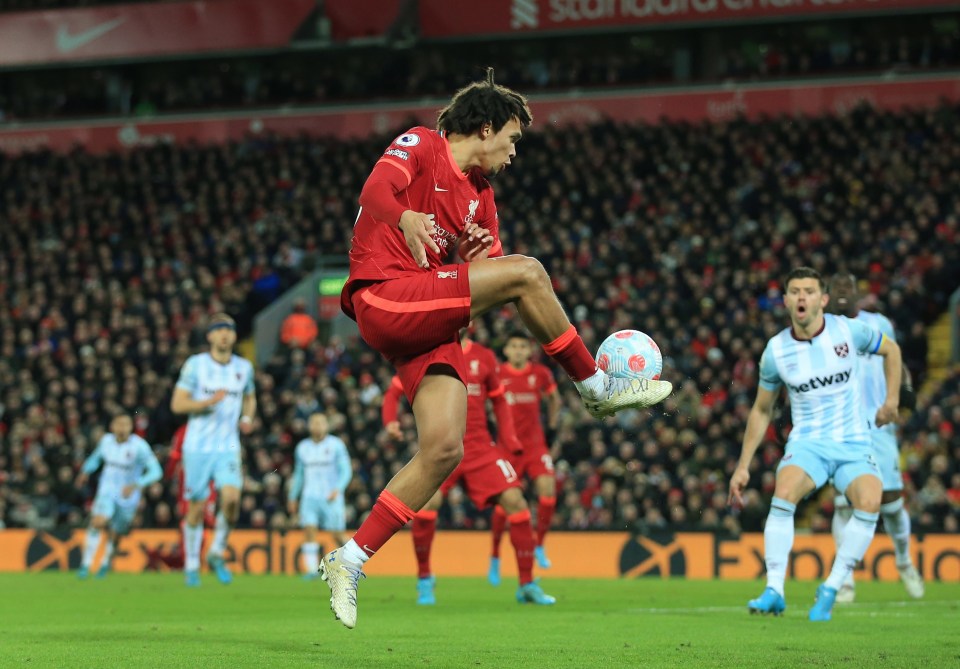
574 554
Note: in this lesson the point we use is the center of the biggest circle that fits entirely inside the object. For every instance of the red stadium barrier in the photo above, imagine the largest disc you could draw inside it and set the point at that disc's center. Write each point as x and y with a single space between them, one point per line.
150 29
684 554
710 104
541 16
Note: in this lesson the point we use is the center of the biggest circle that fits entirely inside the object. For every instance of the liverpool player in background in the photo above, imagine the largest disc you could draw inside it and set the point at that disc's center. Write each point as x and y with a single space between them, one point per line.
485 472
427 199
527 384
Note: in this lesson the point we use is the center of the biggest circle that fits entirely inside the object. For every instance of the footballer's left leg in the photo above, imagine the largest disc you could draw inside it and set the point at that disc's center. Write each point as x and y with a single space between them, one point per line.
864 493
227 477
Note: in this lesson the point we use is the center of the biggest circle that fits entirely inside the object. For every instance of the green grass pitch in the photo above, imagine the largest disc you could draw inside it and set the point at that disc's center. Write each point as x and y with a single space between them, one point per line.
53 620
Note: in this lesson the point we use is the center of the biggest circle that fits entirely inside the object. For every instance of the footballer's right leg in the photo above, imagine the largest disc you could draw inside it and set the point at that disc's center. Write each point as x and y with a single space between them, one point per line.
524 282
310 548
197 474
423 530
793 483
498 524
440 411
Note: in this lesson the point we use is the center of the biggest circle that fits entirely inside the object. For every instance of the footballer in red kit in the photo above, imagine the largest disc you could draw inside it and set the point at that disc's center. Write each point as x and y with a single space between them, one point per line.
528 385
426 204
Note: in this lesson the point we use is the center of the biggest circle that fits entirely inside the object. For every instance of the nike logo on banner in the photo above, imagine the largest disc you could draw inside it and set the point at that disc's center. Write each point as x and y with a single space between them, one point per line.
67 42
440 190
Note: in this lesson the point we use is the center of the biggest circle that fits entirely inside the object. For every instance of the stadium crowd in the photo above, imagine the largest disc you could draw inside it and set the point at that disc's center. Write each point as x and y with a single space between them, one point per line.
890 45
111 264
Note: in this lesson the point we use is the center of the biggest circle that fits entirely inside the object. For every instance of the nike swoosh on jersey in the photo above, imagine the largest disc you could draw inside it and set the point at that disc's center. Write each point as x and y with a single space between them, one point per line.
67 42
440 190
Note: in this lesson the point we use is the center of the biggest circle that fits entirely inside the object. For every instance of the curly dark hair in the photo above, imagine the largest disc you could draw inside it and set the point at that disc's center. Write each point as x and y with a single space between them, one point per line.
480 103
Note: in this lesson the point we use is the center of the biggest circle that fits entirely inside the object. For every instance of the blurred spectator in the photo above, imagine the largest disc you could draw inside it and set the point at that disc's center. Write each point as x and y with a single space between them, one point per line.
298 329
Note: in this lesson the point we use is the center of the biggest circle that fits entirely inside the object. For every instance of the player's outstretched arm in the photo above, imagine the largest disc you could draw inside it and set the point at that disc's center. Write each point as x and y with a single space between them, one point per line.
892 372
757 424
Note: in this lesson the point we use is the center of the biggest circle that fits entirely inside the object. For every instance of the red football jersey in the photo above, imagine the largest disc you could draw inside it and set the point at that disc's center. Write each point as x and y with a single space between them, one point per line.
526 389
435 185
483 382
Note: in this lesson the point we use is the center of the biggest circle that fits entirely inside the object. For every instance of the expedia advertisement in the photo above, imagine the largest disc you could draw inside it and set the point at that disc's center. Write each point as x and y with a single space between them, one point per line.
689 555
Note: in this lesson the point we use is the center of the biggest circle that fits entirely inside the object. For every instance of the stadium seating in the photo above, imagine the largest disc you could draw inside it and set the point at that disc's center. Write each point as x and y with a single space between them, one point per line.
683 231
432 70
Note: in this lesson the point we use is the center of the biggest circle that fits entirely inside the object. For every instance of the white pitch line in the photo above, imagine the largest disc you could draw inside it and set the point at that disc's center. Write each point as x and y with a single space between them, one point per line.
873 609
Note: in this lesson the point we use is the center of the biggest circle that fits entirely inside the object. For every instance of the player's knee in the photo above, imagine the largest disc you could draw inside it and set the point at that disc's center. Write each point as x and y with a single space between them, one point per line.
869 503
513 501
532 274
445 454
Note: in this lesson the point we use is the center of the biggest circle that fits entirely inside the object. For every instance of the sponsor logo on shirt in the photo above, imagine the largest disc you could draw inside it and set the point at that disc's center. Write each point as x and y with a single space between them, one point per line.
397 153
822 381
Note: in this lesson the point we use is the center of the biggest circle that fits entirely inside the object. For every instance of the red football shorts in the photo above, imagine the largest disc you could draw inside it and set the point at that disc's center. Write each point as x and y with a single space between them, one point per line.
484 472
533 462
414 321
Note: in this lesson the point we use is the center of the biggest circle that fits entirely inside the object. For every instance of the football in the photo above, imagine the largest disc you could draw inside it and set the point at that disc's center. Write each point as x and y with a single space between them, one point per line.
631 354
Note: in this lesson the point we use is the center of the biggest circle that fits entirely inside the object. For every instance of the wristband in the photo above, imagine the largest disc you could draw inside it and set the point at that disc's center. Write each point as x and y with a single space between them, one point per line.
246 419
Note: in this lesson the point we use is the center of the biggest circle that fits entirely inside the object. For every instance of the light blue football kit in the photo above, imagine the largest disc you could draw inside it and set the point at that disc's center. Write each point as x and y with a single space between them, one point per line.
211 447
129 463
321 467
831 429
873 387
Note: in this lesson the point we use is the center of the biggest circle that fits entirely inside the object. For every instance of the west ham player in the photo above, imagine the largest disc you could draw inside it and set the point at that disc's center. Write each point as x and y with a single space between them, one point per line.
129 465
528 384
873 390
216 390
485 472
427 198
816 358
321 474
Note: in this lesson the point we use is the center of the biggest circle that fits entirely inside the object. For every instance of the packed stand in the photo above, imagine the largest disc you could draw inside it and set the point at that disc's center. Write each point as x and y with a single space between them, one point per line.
846 47
111 264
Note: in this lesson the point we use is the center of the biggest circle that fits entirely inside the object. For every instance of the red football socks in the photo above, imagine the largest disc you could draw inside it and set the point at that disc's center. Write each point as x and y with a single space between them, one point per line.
498 523
521 536
424 528
570 353
545 508
388 515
